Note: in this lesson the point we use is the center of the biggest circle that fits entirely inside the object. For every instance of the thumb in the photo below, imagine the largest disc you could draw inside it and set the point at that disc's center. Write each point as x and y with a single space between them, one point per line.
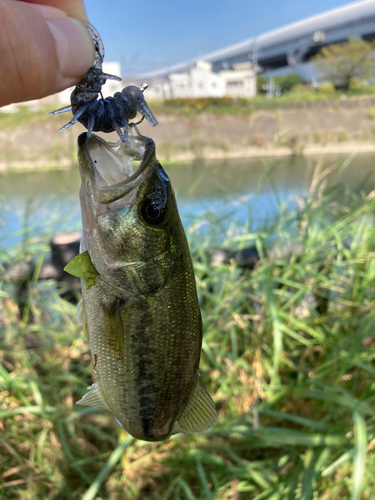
43 51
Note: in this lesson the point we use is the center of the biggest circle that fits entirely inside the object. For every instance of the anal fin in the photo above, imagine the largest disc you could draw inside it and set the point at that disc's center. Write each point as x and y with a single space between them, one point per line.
200 413
93 398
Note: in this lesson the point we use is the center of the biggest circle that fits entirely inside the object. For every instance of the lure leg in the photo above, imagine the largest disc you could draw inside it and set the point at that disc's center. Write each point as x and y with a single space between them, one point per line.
61 110
74 120
123 136
90 125
96 74
143 108
116 127
106 76
126 131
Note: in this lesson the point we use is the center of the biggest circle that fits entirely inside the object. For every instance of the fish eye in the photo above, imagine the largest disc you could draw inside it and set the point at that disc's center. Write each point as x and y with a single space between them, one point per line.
151 213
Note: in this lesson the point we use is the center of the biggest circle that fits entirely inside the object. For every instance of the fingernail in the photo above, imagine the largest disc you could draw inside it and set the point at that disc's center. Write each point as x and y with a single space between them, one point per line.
74 46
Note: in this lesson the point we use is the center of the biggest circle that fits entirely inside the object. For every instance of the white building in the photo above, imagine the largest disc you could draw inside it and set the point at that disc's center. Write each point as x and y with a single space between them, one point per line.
241 81
198 82
201 81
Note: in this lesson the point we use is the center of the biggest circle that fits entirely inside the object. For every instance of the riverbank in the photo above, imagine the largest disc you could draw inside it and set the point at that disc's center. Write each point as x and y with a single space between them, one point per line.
207 154
315 130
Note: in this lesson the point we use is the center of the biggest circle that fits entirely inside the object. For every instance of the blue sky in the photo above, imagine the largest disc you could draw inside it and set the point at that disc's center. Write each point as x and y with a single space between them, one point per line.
148 34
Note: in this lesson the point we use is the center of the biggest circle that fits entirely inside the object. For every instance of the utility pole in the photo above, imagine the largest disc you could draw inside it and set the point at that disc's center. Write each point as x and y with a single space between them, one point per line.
271 88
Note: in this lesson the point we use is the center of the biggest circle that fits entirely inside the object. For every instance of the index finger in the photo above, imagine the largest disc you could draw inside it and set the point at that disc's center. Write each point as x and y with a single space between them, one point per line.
74 8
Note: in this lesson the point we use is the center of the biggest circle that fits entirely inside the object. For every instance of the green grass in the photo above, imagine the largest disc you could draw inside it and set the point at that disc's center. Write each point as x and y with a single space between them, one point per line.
245 107
294 387
24 115
365 90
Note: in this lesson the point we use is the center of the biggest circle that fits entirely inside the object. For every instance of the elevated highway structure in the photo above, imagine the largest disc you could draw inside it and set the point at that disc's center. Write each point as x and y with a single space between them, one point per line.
290 45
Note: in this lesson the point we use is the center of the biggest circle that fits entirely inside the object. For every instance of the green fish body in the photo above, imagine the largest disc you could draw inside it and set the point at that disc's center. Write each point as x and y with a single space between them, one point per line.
141 317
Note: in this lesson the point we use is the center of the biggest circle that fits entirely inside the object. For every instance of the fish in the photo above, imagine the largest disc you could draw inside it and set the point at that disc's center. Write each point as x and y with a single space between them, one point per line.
140 310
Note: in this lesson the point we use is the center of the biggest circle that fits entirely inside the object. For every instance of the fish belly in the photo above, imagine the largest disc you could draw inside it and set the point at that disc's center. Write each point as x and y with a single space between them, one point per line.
146 354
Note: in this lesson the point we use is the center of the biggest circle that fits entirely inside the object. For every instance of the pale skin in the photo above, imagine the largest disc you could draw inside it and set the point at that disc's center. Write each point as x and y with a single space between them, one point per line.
44 47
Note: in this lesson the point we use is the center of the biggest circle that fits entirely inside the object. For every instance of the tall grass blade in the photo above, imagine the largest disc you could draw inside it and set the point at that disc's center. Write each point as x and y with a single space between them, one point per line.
110 464
185 488
203 480
359 455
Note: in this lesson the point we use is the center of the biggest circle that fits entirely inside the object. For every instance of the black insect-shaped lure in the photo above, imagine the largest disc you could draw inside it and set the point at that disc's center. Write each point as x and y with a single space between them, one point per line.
109 114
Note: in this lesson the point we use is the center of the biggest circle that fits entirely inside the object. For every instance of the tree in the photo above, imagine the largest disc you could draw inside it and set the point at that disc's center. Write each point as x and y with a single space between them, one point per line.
288 81
344 63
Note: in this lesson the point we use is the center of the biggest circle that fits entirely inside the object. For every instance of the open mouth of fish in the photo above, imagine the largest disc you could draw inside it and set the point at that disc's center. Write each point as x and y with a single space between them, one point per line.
113 195
107 168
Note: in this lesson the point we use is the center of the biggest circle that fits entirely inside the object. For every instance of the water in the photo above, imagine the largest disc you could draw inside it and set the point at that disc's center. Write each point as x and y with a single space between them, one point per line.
47 201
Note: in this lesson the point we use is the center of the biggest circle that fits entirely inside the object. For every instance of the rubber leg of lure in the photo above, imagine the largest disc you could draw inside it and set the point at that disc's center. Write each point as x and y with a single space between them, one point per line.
74 120
143 108
123 136
90 125
111 115
61 110
96 75
126 131
106 76
109 111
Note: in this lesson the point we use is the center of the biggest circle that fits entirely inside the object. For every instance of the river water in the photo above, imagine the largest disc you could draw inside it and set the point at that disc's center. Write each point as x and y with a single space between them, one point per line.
47 201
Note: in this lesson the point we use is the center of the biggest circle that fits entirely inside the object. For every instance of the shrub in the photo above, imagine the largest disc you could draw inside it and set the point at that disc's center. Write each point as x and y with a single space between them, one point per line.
326 87
299 88
356 84
342 136
289 81
217 105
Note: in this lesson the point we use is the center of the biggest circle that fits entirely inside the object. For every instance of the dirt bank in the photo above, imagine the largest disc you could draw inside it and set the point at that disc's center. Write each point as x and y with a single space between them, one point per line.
330 129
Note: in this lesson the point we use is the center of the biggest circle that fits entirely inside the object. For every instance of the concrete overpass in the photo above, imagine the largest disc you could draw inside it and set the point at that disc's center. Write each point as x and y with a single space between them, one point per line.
290 45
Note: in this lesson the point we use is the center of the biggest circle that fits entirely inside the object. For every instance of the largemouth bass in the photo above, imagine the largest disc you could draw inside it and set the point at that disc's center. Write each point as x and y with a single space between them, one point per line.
141 316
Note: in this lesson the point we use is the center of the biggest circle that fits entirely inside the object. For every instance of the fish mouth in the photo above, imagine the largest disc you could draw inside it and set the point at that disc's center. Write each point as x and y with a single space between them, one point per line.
107 168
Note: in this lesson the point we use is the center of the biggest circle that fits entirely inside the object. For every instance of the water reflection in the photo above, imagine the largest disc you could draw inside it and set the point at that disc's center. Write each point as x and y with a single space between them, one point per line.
237 187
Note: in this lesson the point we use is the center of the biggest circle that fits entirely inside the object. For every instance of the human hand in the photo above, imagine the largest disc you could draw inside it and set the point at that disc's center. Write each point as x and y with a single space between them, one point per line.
44 47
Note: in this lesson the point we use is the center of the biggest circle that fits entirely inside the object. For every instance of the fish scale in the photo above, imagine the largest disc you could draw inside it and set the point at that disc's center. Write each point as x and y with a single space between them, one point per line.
142 315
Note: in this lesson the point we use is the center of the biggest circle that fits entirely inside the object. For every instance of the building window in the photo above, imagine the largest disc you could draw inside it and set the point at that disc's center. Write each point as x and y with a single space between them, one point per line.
235 85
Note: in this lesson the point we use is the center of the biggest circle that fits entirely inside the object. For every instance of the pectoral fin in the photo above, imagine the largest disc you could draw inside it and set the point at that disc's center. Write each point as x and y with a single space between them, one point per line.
93 398
200 413
82 267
